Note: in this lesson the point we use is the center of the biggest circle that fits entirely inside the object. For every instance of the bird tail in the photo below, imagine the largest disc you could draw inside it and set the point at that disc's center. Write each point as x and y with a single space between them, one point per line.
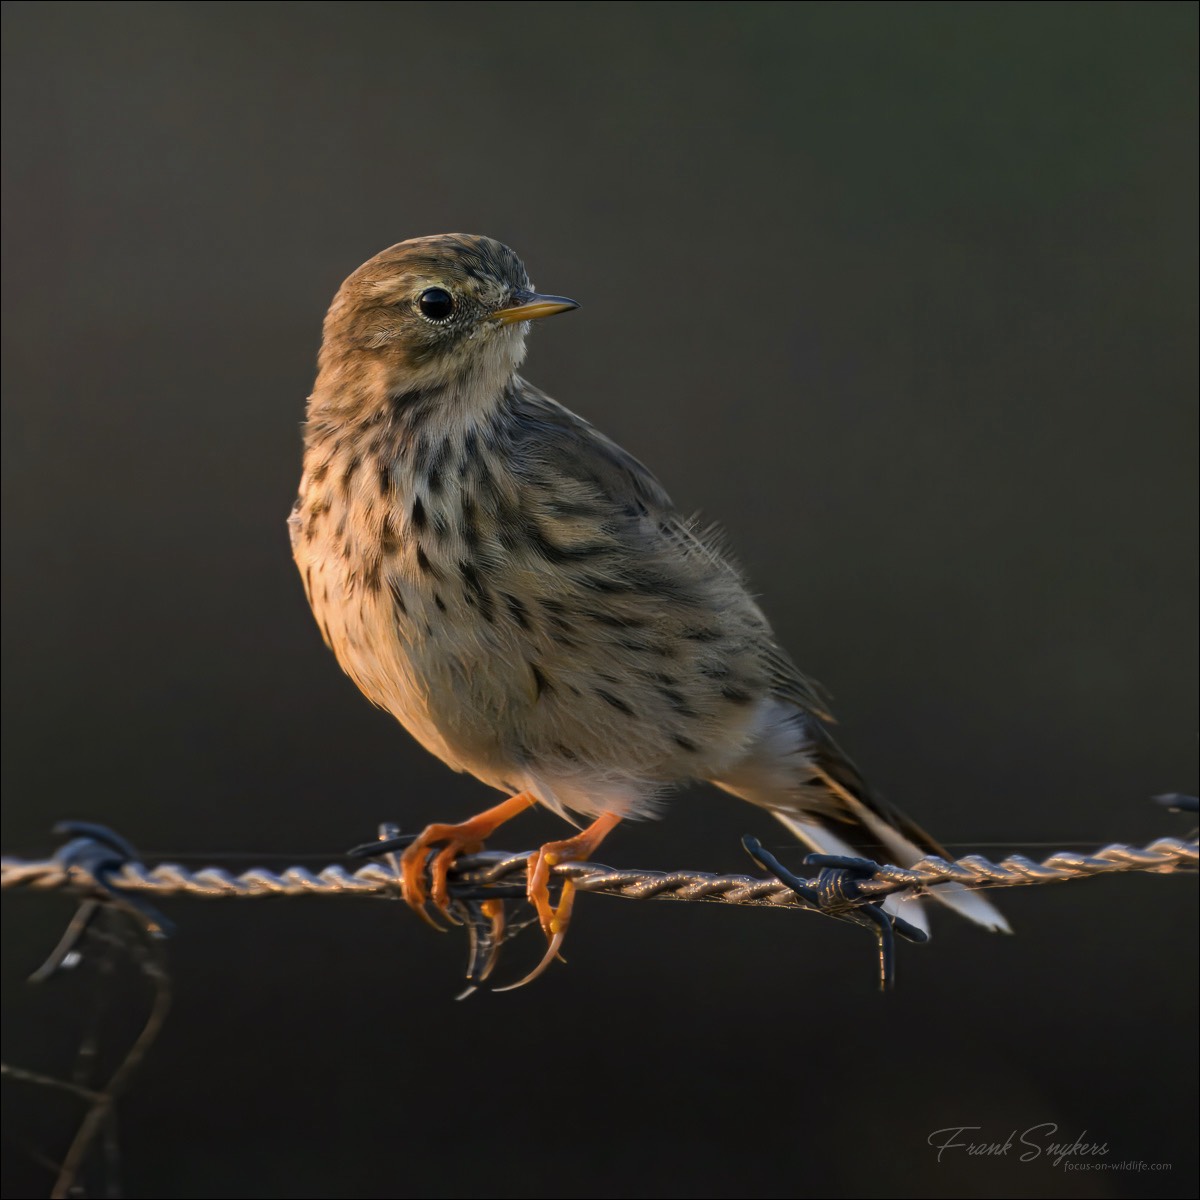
814 790
903 852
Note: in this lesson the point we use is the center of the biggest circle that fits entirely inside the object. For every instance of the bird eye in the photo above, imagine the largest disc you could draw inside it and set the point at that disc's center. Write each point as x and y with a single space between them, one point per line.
436 304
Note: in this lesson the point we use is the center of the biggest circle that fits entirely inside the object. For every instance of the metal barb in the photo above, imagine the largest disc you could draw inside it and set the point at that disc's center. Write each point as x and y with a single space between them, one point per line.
495 869
96 864
836 894
97 856
1178 802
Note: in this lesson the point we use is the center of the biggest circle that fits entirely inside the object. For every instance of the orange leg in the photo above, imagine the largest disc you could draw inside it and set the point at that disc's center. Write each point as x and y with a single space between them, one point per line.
555 920
466 838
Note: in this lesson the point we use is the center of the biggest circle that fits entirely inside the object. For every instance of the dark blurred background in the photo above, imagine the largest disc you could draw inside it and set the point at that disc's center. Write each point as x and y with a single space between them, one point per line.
904 295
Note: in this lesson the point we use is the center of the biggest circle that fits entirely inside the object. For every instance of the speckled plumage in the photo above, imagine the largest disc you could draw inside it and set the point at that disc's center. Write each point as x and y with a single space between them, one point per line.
519 592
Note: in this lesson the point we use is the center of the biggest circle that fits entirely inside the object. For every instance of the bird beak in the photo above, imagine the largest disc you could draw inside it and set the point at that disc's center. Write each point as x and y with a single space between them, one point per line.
528 306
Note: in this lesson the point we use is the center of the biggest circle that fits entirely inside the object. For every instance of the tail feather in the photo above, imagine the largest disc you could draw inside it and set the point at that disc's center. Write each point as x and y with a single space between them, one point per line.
968 903
903 853
823 841
801 775
907 843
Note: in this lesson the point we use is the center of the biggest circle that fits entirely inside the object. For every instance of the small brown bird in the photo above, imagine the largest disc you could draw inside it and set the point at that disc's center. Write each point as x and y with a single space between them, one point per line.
523 597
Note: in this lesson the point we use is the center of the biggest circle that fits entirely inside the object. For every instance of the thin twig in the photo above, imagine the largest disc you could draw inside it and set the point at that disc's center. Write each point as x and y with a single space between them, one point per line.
101 1112
21 1075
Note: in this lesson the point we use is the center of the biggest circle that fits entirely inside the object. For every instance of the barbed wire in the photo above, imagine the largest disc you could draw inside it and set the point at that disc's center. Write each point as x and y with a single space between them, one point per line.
105 873
497 869
98 864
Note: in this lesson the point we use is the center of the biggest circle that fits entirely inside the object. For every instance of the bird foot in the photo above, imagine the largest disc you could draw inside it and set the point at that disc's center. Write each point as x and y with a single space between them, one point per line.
555 919
453 840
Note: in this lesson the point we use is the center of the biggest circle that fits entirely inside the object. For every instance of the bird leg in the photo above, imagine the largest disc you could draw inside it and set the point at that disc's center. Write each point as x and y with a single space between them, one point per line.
554 921
466 838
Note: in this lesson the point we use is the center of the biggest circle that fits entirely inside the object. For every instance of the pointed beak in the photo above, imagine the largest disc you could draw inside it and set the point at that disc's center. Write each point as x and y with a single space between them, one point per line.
529 306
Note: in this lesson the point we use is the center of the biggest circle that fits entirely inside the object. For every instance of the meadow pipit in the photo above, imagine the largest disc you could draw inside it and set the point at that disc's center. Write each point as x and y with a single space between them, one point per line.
523 597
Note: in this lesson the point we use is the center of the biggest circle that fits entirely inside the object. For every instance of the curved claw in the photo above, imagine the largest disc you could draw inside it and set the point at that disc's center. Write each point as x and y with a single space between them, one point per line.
493 909
485 940
423 913
556 941
555 920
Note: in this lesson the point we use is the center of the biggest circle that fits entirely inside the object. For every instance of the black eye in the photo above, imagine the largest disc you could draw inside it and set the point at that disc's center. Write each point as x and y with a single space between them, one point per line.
436 304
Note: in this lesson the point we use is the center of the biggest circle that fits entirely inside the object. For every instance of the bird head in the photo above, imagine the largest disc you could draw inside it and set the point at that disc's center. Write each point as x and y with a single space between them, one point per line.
449 310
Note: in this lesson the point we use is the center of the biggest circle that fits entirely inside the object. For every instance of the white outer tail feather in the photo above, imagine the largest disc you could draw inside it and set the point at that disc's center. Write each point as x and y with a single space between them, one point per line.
969 904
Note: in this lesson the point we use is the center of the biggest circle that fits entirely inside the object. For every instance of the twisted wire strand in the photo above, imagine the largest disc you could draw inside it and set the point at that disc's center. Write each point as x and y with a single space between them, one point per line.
499 869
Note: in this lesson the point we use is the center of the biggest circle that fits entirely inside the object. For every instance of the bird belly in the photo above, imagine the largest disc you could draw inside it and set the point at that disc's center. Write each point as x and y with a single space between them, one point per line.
518 671
574 724
427 674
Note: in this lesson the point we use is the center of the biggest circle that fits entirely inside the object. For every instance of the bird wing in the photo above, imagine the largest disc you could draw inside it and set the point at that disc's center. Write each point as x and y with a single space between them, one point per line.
581 452
695 556
796 768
